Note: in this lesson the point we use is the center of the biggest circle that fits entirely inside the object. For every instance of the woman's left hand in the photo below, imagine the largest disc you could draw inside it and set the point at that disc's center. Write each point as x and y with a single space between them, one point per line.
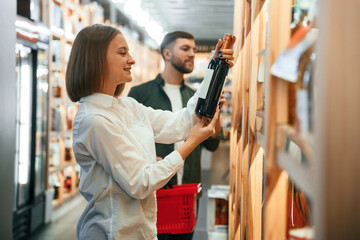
227 54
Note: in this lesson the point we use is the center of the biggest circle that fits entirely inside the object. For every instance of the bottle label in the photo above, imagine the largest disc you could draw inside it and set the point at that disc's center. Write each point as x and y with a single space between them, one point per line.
206 83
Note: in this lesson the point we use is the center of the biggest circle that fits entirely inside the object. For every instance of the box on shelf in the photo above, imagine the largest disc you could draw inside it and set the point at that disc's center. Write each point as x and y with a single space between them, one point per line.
217 220
49 196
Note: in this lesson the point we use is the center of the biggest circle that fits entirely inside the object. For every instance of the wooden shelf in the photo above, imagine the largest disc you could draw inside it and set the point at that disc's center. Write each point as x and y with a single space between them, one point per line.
262 52
53 170
67 196
62 37
326 173
55 135
58 2
55 102
57 33
286 133
69 163
70 5
56 68
260 139
68 134
295 156
55 203
301 175
69 38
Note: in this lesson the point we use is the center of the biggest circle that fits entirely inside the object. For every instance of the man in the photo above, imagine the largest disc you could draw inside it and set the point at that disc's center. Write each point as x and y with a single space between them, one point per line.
168 92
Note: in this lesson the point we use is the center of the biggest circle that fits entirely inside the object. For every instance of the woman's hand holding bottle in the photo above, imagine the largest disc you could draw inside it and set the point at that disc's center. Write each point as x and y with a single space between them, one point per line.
227 54
201 131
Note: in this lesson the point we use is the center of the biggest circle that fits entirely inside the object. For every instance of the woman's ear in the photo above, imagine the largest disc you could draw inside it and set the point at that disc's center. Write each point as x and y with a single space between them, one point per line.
167 54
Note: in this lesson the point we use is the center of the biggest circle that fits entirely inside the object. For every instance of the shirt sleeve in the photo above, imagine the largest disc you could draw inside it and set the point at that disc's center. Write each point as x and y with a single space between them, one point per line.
170 127
121 158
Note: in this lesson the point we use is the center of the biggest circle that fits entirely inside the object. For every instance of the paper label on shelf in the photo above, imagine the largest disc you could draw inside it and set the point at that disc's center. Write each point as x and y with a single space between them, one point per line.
286 65
262 69
206 83
302 109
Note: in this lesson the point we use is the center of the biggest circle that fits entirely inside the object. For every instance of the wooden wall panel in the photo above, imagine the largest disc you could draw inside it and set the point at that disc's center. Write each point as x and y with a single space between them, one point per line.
234 197
276 94
337 114
244 156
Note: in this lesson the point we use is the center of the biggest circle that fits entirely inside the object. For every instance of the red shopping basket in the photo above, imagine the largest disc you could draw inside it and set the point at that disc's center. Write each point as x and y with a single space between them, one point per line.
176 208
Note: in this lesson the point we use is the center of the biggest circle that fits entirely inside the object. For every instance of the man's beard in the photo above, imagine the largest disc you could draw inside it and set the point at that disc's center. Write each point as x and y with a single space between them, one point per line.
181 67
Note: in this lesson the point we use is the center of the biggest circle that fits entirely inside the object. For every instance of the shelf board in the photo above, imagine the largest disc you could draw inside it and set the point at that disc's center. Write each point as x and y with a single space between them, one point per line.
67 195
55 68
260 139
70 5
260 113
69 38
55 102
55 203
262 52
69 163
302 140
53 170
59 2
300 174
68 134
55 135
70 195
57 33
81 12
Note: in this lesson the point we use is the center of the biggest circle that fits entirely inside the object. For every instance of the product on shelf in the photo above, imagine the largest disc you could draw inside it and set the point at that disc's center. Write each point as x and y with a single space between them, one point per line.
213 82
69 116
54 154
304 103
299 210
296 65
68 149
221 212
54 182
56 85
55 119
67 51
67 183
68 173
56 49
56 19
77 172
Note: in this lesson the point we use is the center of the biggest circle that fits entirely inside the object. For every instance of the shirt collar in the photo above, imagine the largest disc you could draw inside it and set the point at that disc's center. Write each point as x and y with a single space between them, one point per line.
101 99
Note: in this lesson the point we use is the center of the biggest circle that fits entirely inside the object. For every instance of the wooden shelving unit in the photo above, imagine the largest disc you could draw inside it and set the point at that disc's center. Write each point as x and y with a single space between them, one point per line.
247 131
320 164
64 18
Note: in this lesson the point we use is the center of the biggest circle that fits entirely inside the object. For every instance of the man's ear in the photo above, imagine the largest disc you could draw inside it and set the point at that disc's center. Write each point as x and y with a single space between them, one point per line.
167 54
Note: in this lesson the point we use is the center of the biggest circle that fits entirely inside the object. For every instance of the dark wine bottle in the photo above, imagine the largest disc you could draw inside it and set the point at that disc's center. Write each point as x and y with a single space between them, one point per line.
213 83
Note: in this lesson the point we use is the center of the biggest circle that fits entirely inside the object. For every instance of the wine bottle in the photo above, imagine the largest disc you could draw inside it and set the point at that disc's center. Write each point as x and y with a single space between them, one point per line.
213 83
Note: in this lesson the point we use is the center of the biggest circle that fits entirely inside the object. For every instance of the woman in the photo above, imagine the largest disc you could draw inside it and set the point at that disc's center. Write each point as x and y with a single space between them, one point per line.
114 139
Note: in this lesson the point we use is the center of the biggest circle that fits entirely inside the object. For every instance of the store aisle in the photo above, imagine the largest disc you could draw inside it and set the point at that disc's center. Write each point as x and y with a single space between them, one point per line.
63 225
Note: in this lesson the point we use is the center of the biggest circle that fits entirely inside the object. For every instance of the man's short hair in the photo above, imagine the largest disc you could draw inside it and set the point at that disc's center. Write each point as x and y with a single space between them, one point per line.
171 37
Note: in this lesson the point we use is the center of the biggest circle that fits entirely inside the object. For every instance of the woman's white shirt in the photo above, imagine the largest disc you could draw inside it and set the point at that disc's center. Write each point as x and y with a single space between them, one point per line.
114 144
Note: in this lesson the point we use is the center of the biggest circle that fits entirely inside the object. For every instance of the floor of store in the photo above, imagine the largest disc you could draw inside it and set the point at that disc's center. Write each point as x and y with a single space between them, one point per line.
214 172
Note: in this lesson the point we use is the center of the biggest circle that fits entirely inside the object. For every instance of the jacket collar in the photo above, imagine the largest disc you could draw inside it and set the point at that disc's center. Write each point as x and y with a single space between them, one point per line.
159 80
